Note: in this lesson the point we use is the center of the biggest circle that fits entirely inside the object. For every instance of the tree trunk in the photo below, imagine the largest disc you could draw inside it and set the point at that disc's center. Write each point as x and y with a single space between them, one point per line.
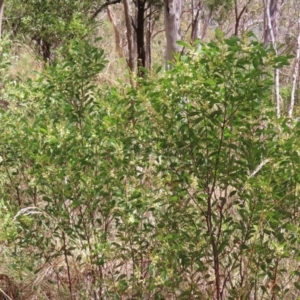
130 36
140 36
118 38
295 74
172 15
238 16
149 33
196 9
1 15
206 23
272 12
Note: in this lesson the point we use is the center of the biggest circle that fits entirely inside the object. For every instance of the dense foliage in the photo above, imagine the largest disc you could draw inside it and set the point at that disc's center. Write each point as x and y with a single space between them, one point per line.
185 187
48 24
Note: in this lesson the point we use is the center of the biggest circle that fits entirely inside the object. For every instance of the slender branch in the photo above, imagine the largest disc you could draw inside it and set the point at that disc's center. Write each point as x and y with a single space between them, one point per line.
238 18
152 13
259 167
157 33
272 33
6 296
103 6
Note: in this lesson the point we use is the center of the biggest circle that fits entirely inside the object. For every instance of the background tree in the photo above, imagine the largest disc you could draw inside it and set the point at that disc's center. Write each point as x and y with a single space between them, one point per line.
172 17
272 12
139 27
130 34
1 15
196 16
48 24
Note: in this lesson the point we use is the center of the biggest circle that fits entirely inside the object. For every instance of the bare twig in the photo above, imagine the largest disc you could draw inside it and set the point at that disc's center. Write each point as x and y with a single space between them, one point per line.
5 294
259 167
238 17
103 6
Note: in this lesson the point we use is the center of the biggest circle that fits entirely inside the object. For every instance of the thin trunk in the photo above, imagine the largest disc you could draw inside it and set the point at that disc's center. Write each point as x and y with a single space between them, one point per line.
238 16
140 36
295 75
272 9
196 9
1 15
206 22
172 14
149 33
272 12
44 49
277 93
118 38
130 36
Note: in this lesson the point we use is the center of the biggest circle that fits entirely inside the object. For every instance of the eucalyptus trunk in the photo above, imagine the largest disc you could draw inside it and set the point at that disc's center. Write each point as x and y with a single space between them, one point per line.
272 12
149 36
1 15
130 36
295 74
172 15
196 18
118 38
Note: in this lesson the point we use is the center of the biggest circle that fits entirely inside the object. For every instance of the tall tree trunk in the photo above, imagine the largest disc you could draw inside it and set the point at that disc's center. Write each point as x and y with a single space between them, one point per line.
172 15
196 9
1 15
118 38
238 16
140 36
272 12
149 32
206 23
130 36
295 74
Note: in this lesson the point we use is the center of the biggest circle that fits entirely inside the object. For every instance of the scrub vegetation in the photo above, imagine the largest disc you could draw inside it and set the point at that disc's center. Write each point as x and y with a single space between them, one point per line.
130 176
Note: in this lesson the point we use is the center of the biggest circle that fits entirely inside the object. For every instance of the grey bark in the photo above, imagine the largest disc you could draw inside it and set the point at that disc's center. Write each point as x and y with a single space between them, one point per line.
272 12
196 10
149 33
1 15
130 36
295 74
172 15
206 22
118 37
